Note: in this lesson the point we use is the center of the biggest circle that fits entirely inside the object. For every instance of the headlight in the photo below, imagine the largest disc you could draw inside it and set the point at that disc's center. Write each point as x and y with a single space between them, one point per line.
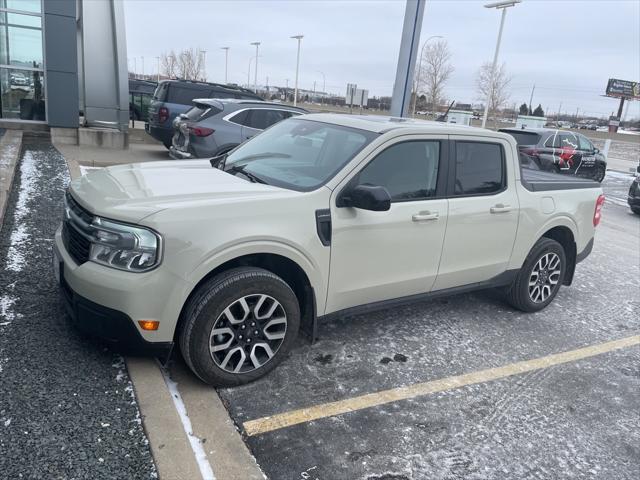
125 247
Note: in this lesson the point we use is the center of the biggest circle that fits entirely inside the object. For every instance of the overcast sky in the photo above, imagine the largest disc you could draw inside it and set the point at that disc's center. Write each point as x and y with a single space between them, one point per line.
568 49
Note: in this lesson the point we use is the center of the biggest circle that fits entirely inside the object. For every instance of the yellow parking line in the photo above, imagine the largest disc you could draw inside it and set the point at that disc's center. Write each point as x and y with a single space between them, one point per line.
303 415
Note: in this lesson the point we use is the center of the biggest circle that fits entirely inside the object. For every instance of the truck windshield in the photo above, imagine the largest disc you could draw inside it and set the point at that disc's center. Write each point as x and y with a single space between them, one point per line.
298 154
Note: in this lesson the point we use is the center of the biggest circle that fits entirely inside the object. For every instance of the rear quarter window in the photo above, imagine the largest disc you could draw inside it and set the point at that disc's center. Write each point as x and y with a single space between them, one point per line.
161 92
524 138
183 94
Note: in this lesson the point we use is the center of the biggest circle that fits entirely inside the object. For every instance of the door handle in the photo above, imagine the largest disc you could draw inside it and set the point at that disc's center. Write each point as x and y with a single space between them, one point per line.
425 216
501 208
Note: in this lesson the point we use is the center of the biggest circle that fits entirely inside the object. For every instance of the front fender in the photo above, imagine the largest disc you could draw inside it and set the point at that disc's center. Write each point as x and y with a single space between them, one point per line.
292 252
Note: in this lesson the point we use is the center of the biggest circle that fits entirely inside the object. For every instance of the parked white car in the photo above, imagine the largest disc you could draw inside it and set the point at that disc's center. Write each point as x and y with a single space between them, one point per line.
318 216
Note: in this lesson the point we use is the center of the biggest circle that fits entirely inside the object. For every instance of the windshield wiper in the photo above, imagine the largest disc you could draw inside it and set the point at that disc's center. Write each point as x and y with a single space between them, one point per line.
241 169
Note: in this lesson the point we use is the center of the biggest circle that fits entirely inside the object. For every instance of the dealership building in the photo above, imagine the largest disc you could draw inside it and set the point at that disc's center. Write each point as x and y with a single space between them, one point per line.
63 65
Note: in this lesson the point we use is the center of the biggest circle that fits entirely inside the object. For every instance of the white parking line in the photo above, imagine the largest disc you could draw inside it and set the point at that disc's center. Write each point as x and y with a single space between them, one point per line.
196 444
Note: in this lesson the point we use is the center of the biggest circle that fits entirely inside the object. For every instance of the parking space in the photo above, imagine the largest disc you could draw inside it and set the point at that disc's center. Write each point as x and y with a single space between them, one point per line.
575 419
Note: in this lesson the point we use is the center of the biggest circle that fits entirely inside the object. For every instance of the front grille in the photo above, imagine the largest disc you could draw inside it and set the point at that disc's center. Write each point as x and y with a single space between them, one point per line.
74 235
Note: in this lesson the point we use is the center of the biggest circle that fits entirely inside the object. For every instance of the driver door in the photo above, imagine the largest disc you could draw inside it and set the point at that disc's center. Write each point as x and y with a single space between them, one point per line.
382 255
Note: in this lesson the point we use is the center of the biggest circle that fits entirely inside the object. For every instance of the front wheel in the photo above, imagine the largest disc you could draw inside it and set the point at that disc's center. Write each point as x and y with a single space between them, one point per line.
238 326
539 278
599 172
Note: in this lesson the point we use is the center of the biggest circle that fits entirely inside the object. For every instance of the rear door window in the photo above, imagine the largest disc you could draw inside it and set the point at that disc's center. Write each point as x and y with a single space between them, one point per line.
479 169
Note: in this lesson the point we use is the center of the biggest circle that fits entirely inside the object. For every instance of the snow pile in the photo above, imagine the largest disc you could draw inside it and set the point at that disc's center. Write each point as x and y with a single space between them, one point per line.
19 235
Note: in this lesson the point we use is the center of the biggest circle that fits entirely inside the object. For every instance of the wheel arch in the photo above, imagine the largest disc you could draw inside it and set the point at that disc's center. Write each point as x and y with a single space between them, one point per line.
293 274
565 237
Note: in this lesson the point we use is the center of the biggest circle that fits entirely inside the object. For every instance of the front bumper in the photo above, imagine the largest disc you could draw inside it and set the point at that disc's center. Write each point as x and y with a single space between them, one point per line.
108 303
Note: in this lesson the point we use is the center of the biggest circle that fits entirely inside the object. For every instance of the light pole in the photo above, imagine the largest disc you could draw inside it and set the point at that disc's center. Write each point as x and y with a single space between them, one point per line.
158 58
417 82
295 93
499 6
204 64
324 86
135 68
255 78
226 62
249 72
142 67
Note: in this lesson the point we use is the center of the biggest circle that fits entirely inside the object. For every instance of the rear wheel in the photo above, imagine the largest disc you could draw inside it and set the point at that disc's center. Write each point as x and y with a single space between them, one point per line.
539 278
238 326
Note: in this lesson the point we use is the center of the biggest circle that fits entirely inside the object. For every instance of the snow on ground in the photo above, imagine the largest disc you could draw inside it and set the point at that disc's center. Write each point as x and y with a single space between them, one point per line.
19 236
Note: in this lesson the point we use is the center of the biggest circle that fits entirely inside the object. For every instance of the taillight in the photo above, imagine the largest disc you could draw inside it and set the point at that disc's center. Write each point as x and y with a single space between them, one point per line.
597 213
163 114
201 131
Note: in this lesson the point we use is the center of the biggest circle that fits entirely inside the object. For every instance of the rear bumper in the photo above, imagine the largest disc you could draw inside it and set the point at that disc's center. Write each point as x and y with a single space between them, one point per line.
179 154
586 252
161 134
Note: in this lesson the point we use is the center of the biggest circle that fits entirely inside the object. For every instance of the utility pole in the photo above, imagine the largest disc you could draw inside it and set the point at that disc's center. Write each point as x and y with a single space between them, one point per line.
295 94
531 99
226 63
503 6
255 77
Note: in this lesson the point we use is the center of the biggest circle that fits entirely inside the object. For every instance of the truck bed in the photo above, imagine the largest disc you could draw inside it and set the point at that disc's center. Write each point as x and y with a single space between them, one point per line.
539 181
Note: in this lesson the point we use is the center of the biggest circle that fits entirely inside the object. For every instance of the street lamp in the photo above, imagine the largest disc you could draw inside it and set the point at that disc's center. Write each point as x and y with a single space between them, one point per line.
417 82
498 6
255 78
295 94
226 62
158 59
204 64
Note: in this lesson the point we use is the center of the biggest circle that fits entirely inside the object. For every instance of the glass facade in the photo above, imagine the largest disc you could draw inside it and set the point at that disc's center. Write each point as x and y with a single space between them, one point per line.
22 82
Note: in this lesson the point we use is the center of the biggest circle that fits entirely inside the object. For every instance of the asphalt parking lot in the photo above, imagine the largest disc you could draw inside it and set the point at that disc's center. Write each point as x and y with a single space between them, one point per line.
578 419
379 396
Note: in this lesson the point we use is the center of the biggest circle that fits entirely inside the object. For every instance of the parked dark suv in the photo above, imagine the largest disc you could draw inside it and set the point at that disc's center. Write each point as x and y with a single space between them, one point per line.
173 97
633 198
561 151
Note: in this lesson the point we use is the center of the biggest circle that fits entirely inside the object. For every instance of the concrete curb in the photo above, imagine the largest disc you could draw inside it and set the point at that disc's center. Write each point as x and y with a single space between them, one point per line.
10 148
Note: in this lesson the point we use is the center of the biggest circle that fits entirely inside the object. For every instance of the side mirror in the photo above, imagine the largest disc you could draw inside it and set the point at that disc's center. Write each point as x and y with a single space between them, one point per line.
367 197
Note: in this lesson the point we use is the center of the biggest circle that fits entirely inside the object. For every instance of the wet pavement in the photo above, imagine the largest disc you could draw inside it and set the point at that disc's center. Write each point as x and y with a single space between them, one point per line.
67 408
577 420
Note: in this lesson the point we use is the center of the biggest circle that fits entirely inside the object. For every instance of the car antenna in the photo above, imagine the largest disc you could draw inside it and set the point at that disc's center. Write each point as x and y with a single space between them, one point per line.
442 118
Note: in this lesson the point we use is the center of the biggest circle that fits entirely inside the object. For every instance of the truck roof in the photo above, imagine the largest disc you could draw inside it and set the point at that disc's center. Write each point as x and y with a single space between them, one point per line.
382 124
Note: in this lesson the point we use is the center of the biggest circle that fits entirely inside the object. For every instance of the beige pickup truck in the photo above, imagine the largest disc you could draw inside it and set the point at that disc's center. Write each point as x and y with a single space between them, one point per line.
318 216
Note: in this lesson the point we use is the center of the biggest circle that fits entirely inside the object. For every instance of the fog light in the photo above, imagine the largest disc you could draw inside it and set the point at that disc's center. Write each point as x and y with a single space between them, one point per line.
149 324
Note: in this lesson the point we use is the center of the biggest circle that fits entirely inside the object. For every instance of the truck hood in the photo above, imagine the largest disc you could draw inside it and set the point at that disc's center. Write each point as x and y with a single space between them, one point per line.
135 191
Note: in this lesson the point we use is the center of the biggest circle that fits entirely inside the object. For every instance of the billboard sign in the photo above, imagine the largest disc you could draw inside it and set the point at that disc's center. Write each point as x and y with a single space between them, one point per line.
623 88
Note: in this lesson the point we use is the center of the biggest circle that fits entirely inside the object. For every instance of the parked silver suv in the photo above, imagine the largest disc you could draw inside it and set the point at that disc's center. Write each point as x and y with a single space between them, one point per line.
215 126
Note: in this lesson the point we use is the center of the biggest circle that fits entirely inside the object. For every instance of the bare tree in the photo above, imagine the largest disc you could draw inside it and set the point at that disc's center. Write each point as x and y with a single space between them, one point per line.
434 69
169 64
494 87
187 64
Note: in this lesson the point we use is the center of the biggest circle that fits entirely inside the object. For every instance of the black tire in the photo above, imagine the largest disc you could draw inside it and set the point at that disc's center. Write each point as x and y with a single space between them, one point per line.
519 295
599 172
635 210
206 309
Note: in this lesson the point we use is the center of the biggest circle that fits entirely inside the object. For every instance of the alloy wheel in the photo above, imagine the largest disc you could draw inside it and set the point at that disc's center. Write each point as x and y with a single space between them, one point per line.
544 277
248 333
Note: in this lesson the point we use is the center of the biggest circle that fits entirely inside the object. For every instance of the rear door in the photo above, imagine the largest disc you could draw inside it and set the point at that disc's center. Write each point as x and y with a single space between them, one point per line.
483 212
